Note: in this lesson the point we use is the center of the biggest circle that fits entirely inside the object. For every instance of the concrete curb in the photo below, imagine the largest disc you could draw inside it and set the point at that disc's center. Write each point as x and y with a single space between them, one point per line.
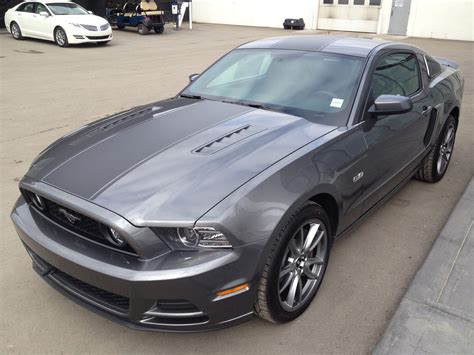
436 315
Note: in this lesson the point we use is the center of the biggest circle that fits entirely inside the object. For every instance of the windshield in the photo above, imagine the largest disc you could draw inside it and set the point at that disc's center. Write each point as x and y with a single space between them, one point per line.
315 85
67 8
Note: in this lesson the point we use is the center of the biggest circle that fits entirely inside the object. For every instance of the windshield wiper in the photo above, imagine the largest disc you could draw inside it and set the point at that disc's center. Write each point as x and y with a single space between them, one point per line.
190 96
251 104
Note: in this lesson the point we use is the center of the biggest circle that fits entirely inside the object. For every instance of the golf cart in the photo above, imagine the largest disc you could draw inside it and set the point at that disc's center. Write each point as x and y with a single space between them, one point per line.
143 15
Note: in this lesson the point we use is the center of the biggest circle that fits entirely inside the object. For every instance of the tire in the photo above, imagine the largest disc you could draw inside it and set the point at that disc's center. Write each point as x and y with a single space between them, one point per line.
159 29
436 163
142 29
102 44
120 27
60 37
16 31
286 268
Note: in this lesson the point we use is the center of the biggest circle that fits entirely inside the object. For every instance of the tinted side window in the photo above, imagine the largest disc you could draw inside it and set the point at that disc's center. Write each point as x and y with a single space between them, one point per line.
41 8
433 66
28 7
397 74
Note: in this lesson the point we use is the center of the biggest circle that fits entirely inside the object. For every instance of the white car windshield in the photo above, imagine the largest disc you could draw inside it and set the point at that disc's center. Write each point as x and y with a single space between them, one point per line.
315 85
67 8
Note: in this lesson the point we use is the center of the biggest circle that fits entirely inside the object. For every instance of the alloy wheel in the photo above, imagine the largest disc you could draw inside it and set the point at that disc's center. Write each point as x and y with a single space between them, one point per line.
303 265
16 31
446 149
60 37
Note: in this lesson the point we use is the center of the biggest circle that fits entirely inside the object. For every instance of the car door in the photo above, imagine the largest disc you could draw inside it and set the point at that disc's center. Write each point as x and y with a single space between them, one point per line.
24 15
395 142
41 25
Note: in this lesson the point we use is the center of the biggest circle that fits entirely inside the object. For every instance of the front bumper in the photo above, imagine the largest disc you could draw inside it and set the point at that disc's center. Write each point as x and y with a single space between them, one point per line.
76 36
174 292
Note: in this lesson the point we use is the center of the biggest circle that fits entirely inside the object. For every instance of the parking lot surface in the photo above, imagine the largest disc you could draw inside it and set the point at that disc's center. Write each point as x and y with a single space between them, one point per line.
46 91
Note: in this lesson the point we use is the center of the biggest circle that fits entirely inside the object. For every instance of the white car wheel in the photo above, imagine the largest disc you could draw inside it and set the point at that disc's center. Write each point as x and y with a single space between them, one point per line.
16 31
60 37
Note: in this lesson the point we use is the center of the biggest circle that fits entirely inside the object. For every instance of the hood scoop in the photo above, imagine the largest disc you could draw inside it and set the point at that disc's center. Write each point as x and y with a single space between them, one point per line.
128 117
231 138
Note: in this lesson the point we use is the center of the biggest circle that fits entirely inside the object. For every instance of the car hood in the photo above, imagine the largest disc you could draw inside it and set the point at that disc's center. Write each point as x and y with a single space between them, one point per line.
92 20
170 162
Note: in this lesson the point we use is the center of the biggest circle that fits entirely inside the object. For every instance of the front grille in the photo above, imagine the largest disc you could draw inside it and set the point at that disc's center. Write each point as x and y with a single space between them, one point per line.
104 27
94 38
89 27
92 293
82 225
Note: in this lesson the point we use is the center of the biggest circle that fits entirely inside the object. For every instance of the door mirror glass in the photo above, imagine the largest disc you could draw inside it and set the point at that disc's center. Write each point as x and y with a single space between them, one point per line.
44 14
391 105
193 77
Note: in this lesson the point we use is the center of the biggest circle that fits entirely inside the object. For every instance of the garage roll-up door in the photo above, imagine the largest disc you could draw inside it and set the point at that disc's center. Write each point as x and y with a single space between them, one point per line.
349 15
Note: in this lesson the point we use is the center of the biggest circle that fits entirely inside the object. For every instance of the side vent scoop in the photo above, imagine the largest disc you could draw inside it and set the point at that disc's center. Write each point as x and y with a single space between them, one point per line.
227 140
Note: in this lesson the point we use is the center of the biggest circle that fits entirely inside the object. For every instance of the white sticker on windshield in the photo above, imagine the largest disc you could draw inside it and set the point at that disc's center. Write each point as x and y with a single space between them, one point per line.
337 103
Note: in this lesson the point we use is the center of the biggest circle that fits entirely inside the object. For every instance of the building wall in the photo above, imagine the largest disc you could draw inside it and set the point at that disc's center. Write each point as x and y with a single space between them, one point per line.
263 13
444 19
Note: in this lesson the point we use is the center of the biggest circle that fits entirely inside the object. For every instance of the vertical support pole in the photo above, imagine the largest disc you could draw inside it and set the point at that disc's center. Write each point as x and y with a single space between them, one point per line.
190 14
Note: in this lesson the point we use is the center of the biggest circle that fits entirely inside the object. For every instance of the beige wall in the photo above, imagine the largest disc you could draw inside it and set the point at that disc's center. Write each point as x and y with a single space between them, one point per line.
444 19
262 13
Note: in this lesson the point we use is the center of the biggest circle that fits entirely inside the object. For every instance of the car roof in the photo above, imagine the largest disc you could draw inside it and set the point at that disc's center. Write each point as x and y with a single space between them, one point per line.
356 46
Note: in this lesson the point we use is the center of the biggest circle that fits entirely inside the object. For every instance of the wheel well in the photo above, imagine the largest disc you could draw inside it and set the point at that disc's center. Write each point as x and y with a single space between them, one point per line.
329 204
455 114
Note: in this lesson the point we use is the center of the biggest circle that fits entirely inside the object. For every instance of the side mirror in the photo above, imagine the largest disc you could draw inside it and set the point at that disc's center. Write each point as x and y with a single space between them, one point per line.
193 77
44 14
391 105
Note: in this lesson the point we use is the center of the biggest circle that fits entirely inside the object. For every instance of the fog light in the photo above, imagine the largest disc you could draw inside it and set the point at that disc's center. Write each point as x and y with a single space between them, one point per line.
115 238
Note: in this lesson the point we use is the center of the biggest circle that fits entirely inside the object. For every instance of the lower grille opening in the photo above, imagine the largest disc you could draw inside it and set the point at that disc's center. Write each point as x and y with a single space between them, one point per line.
97 37
176 321
91 293
175 313
176 306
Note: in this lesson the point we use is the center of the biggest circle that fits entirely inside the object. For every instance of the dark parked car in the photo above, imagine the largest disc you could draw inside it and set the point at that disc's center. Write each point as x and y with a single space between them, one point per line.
196 212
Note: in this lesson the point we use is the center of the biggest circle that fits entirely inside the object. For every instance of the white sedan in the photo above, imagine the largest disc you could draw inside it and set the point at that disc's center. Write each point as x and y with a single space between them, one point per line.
63 22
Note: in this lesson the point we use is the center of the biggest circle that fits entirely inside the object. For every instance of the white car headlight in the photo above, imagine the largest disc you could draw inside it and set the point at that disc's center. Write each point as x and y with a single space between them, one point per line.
76 25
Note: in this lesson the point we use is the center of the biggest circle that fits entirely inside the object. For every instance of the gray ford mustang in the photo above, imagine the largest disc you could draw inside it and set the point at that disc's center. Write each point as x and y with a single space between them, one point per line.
196 212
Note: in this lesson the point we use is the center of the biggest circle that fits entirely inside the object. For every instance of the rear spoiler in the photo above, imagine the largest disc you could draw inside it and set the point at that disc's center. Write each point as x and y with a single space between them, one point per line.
448 62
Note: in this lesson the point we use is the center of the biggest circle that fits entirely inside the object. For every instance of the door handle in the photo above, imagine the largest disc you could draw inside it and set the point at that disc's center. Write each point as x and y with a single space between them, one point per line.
426 110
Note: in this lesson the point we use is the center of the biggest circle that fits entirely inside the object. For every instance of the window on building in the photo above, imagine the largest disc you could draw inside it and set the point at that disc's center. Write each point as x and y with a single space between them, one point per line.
343 2
397 74
330 2
359 2
375 2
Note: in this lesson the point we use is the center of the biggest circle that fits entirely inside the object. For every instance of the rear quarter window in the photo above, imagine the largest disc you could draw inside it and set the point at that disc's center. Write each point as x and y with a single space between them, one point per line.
27 7
433 66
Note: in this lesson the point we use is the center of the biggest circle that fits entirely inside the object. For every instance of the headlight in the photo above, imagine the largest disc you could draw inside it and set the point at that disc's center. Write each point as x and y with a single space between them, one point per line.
76 25
193 239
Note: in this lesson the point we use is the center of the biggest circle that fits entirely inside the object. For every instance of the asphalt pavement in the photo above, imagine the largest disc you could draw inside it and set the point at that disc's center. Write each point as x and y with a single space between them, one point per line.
436 315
